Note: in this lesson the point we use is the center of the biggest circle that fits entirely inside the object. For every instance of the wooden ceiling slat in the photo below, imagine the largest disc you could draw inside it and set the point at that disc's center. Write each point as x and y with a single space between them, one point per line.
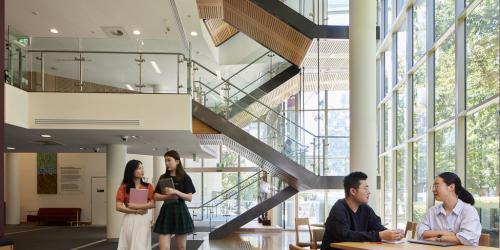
219 30
257 23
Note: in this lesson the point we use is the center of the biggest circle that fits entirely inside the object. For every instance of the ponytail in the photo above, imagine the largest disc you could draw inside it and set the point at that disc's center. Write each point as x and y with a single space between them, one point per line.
464 195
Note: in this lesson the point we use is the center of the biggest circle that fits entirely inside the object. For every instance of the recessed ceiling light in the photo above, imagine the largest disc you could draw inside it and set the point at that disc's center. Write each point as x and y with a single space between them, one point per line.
46 136
11 148
155 66
194 33
54 31
136 32
129 87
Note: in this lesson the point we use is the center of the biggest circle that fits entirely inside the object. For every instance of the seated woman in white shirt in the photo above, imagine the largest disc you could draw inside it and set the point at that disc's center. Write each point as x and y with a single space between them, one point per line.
455 220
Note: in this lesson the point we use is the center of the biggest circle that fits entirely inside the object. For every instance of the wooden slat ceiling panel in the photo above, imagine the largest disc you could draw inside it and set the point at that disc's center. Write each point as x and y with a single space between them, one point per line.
219 30
259 25
209 9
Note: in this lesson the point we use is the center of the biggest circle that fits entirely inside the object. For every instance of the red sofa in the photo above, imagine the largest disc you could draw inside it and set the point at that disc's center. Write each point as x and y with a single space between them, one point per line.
55 215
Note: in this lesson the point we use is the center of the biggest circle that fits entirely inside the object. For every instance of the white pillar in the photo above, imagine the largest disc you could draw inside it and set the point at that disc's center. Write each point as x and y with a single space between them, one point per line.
158 169
116 159
13 196
362 94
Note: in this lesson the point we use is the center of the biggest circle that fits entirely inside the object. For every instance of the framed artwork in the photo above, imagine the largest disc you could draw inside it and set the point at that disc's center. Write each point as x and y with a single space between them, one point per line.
46 173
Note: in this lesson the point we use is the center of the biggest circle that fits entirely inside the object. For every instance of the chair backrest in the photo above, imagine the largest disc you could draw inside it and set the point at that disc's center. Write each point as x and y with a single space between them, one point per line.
484 240
412 227
317 238
302 222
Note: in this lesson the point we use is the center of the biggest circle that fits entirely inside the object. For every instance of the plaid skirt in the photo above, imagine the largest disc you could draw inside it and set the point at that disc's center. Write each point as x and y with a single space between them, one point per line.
174 218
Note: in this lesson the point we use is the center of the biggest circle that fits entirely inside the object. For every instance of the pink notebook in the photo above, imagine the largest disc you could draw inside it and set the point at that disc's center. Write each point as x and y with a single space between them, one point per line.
138 196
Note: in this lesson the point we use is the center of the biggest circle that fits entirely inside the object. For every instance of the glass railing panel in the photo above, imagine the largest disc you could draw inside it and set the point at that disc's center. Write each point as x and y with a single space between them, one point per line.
15 59
33 71
62 72
164 73
227 205
55 44
14 65
249 197
107 44
272 126
100 72
247 77
110 73
256 74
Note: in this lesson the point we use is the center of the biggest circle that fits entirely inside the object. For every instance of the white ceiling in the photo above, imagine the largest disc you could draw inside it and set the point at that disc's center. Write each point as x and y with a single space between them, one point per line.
72 140
76 18
80 28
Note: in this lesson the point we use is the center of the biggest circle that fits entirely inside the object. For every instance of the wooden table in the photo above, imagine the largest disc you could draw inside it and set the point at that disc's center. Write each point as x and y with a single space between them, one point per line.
402 246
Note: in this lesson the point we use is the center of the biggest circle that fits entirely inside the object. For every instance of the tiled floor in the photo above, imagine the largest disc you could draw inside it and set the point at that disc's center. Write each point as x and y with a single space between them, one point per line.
244 241
34 237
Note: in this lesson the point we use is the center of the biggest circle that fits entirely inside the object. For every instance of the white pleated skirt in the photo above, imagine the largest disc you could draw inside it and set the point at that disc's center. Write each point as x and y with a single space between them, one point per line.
135 233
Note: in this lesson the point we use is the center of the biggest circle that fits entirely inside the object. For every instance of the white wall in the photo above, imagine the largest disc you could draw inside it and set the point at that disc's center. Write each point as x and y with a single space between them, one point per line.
17 101
92 164
22 108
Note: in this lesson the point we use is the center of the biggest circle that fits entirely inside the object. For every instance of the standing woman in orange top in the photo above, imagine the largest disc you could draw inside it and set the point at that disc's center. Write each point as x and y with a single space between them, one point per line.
136 228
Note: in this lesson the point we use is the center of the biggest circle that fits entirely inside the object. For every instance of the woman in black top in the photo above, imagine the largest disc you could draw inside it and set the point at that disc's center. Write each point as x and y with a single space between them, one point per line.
174 217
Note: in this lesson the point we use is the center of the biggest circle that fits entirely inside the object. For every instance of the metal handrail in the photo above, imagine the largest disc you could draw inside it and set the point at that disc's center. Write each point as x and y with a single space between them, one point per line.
239 71
255 99
227 198
259 119
104 52
221 194
267 72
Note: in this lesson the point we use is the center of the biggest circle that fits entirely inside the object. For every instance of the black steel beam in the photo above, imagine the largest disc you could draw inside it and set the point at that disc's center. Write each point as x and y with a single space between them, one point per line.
265 88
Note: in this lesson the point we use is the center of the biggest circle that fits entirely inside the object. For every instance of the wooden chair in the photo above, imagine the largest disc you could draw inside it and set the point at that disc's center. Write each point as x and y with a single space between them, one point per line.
294 247
302 222
411 226
317 238
484 240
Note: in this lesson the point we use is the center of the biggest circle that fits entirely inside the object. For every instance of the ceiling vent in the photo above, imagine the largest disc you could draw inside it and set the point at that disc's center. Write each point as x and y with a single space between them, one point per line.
114 31
47 143
87 122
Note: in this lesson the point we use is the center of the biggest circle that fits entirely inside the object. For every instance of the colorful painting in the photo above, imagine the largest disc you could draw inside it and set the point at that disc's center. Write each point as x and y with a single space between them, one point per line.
46 173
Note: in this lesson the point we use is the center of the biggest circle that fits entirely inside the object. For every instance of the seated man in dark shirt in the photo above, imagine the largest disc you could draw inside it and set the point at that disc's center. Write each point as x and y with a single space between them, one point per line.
351 219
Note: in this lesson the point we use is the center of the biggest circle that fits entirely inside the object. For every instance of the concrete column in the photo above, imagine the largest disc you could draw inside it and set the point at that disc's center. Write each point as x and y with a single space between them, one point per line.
13 196
362 94
158 170
116 159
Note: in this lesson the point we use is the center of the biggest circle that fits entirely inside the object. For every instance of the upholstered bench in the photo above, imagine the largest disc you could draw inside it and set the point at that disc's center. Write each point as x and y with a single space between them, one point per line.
55 215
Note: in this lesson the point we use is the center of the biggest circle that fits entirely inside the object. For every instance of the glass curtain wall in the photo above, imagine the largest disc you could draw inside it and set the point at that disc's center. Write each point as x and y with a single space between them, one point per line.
438 103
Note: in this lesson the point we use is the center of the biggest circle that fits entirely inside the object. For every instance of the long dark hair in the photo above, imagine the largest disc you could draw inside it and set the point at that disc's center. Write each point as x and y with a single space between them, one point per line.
179 170
128 175
464 195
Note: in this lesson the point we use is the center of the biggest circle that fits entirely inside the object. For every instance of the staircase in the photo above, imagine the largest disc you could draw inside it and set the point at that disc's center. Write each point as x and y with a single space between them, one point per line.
264 89
272 24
